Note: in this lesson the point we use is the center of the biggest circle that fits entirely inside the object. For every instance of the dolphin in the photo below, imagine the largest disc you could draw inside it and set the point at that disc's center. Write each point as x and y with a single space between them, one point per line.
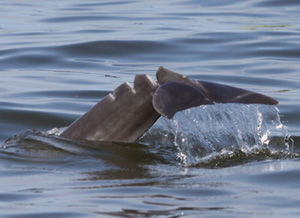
121 116
177 92
128 112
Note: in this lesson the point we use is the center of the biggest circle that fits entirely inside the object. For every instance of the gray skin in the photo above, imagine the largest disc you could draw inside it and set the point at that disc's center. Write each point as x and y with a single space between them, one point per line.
122 116
177 93
129 112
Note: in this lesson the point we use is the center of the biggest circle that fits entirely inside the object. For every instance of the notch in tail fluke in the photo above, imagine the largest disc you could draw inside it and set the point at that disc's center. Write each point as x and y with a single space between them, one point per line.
128 112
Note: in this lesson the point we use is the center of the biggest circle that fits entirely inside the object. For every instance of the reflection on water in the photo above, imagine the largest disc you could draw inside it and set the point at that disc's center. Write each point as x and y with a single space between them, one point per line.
58 58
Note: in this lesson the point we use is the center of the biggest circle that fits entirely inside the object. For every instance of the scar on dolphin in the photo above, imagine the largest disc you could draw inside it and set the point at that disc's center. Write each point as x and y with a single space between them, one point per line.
128 112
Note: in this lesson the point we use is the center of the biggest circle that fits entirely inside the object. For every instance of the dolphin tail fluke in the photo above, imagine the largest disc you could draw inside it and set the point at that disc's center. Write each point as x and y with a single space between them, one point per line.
178 93
220 93
122 116
175 96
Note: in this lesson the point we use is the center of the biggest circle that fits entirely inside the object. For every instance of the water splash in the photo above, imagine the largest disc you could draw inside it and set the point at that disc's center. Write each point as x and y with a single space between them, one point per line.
214 135
208 136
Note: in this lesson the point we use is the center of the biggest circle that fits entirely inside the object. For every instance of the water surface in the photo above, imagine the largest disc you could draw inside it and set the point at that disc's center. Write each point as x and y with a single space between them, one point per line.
58 58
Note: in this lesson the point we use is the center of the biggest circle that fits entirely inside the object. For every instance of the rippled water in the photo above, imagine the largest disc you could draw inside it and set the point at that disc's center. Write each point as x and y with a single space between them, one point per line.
58 58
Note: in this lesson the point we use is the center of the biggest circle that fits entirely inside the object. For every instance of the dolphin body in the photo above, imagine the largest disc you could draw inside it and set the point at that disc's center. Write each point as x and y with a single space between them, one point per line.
128 112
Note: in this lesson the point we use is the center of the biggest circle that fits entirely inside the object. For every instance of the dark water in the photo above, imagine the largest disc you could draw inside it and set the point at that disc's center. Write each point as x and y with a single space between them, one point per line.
58 58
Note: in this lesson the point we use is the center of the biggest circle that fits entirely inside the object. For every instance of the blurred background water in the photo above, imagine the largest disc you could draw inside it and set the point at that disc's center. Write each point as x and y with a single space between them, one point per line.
58 58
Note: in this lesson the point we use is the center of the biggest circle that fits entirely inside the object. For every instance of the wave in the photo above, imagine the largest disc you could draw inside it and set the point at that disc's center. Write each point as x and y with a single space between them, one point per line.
211 136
